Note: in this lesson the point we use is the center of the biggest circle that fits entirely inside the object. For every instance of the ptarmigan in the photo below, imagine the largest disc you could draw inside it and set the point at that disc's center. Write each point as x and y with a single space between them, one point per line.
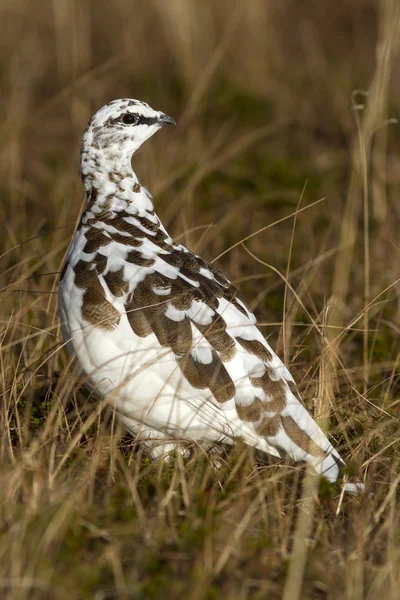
158 329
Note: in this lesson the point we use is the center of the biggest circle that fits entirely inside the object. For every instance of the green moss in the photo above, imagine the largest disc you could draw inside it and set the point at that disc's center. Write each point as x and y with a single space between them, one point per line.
273 302
326 489
120 507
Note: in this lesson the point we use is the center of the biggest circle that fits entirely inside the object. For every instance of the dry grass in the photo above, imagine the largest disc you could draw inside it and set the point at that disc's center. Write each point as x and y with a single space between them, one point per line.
262 92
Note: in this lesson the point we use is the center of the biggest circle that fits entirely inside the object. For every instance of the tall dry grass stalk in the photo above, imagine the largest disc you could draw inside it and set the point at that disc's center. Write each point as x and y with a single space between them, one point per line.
370 112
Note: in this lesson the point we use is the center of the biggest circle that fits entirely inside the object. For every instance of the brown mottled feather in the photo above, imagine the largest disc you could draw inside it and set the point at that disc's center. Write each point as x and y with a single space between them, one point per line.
95 307
160 283
190 261
176 335
137 258
212 375
122 225
173 258
182 294
101 262
146 314
115 177
116 282
137 320
147 224
274 390
253 412
95 239
142 306
127 240
269 426
218 338
299 437
257 348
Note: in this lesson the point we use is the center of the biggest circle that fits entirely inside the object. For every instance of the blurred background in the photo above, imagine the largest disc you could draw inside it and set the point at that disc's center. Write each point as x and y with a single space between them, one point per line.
281 106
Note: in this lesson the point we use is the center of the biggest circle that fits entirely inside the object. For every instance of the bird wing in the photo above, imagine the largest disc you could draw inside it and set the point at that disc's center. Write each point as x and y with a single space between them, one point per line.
194 311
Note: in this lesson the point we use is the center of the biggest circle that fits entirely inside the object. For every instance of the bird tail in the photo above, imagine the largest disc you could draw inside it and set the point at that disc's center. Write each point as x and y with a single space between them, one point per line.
298 435
331 466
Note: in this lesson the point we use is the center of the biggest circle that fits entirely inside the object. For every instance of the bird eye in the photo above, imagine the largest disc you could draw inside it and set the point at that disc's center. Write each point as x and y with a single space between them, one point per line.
129 119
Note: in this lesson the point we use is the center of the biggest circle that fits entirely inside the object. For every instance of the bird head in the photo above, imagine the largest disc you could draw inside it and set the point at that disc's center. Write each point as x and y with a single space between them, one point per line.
121 127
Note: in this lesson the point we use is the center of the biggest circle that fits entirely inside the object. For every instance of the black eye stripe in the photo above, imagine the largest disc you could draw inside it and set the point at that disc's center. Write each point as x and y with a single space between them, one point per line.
146 120
141 120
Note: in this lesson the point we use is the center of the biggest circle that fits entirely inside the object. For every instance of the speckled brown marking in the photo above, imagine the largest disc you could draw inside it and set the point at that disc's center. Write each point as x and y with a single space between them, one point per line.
209 290
219 277
190 267
96 309
64 270
142 305
137 319
229 292
91 199
251 413
127 240
218 338
94 219
95 239
146 298
255 347
274 390
122 225
147 224
146 314
106 206
124 214
150 317
101 262
135 257
299 437
182 294
176 335
115 177
213 376
269 426
159 282
116 282
190 264
203 264
174 258
159 240
136 188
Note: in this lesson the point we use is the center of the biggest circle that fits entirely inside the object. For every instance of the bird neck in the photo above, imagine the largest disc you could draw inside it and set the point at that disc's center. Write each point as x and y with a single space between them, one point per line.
111 184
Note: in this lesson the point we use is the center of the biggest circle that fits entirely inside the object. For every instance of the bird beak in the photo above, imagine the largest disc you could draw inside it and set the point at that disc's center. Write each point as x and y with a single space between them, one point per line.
166 120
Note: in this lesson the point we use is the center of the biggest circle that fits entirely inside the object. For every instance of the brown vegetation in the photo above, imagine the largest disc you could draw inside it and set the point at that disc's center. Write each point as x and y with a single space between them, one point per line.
289 179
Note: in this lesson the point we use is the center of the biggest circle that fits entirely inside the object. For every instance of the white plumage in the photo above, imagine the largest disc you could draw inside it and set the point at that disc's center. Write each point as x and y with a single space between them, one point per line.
161 331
